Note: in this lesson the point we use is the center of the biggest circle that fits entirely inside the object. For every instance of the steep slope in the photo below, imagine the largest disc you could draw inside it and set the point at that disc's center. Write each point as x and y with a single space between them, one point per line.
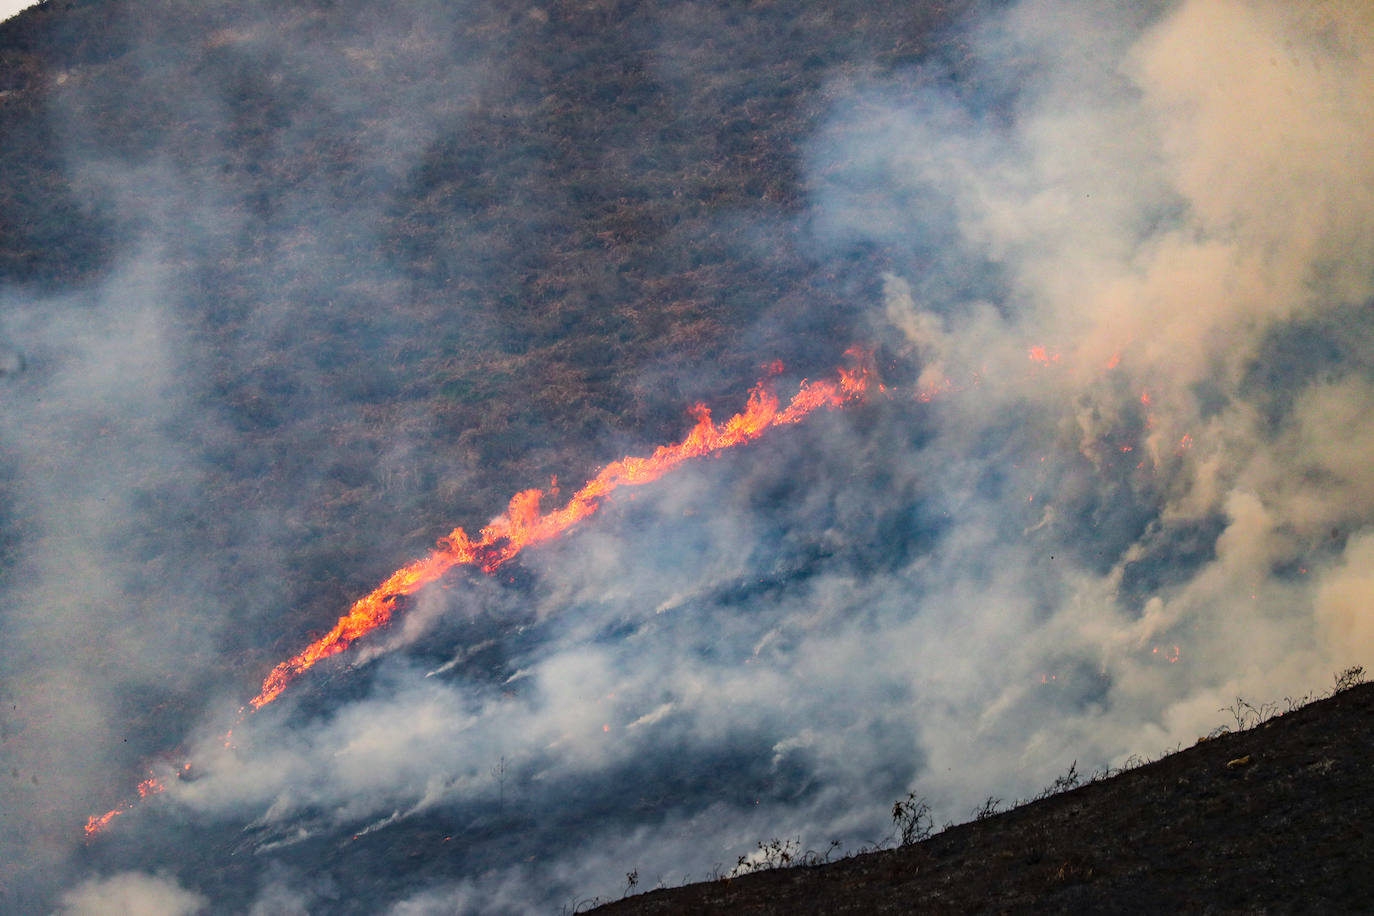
1276 819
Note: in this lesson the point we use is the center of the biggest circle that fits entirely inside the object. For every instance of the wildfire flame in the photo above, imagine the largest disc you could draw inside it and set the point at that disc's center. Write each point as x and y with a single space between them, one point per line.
96 823
525 523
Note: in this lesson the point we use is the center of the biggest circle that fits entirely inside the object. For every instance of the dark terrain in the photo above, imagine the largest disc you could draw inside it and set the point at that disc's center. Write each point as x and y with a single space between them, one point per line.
1275 819
582 244
419 256
415 258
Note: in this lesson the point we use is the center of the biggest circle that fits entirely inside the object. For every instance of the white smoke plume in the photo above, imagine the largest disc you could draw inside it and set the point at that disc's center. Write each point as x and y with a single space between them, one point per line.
1178 218
132 894
1128 252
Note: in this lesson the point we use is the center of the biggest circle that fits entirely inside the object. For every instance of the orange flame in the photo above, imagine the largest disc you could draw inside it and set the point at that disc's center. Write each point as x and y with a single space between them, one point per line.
96 823
524 523
1169 657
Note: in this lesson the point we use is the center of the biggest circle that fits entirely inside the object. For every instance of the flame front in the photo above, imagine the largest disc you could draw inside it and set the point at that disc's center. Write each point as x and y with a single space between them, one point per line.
524 523
98 822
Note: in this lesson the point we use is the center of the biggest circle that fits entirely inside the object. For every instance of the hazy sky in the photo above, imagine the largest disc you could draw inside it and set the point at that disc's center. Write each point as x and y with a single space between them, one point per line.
9 7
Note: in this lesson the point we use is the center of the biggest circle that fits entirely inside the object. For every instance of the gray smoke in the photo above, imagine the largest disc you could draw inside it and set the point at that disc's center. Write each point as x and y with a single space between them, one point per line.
1128 254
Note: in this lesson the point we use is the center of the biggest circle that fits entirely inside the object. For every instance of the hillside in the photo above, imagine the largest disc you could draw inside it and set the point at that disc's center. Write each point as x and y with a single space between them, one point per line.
291 291
446 256
1275 819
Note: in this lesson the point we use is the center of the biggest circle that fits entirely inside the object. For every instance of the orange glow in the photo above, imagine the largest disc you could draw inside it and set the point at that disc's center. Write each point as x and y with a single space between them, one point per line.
98 822
95 824
525 523
930 391
1114 361
1042 356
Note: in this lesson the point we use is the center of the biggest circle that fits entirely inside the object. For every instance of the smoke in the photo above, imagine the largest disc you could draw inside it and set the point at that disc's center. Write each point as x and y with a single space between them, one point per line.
1342 604
132 894
159 485
1122 291
1182 237
13 8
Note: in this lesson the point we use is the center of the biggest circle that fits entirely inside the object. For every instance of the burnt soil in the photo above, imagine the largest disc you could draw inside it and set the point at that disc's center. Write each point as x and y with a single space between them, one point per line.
1275 819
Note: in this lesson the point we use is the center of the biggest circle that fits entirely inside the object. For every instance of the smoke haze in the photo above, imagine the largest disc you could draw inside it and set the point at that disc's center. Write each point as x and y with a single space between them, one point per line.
1116 263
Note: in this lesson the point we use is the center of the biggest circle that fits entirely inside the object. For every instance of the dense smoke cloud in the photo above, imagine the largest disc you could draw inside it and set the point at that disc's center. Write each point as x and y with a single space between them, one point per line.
131 893
1186 205
1128 258
140 554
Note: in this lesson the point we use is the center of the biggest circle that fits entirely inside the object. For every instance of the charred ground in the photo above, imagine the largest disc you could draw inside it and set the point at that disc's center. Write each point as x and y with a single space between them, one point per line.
423 255
378 337
1274 819
590 242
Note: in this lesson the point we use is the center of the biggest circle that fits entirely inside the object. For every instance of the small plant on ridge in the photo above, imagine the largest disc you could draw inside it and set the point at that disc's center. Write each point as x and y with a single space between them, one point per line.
913 820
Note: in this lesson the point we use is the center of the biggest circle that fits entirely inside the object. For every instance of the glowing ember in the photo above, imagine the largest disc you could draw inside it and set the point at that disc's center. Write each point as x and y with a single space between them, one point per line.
930 392
524 523
150 786
1169 655
95 824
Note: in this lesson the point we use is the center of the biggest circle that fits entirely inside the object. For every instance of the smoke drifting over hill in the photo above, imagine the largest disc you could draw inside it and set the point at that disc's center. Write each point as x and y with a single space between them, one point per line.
1127 249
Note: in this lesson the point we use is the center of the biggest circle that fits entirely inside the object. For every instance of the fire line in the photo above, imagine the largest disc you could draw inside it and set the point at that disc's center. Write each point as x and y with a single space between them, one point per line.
524 522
